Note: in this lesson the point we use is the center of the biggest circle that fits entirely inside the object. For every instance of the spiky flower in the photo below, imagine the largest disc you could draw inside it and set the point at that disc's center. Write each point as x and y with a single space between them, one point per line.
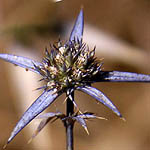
67 67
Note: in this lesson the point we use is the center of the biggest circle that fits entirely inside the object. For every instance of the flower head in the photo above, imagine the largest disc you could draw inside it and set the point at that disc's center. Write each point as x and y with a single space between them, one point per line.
67 67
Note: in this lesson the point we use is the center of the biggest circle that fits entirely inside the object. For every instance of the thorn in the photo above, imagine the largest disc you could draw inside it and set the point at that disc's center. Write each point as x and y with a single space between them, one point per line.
80 111
40 79
122 118
34 89
101 59
4 147
30 140
102 118
86 129
65 100
43 87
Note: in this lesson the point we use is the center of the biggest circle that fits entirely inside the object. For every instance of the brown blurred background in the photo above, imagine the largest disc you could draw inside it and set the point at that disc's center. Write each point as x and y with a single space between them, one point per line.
120 30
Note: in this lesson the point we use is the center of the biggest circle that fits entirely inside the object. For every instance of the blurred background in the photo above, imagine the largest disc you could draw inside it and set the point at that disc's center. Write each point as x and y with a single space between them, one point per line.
120 30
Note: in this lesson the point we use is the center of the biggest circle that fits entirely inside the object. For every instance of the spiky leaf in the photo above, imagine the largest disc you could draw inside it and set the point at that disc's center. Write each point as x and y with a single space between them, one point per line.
98 95
82 122
21 61
45 119
41 103
77 31
118 76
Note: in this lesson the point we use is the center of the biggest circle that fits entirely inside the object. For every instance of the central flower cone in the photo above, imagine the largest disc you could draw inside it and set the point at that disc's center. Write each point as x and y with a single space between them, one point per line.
69 66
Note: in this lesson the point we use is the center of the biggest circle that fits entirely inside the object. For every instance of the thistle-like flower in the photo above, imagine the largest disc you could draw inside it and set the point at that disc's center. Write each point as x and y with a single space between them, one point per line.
65 68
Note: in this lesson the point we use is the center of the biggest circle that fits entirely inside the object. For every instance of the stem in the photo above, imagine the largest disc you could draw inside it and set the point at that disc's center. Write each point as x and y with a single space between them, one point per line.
69 124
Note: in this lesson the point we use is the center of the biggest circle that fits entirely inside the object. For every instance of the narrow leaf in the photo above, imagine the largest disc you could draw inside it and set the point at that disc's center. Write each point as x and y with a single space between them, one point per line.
118 76
21 61
90 116
98 95
41 103
77 31
42 124
49 115
82 122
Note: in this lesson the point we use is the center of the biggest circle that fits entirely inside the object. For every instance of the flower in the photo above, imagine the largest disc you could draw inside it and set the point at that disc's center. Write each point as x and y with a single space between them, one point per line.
65 68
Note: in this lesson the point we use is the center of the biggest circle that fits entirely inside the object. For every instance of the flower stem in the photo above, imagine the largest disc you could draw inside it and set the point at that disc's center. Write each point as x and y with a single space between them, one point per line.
69 124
